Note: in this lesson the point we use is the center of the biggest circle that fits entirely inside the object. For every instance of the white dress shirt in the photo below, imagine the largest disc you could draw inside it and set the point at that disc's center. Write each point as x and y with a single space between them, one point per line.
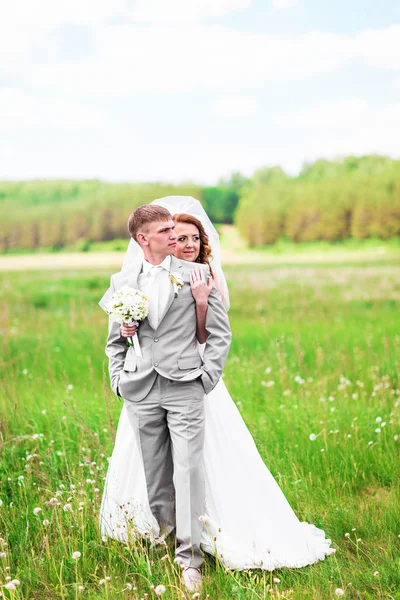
154 283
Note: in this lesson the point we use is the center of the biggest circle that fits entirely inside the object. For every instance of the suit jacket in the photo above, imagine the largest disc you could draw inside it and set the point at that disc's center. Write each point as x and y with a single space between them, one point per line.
171 349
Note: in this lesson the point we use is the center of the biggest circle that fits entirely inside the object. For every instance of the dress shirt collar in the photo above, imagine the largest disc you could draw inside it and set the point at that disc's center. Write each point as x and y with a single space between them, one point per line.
166 264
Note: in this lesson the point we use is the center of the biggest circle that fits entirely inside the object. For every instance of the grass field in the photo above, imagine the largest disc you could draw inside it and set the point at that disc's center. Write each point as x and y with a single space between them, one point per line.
316 349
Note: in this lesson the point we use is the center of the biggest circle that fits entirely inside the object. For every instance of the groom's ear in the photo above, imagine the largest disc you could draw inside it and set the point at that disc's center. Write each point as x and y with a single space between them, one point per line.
141 239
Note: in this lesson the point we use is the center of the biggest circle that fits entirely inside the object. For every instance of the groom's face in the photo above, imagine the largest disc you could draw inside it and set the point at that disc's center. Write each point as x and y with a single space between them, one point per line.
160 237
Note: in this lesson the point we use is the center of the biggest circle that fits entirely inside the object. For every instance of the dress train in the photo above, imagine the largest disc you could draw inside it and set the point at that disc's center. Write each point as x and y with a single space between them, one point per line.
248 522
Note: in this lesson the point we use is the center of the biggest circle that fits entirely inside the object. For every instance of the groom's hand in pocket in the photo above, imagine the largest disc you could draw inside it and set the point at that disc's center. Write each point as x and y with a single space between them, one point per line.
127 331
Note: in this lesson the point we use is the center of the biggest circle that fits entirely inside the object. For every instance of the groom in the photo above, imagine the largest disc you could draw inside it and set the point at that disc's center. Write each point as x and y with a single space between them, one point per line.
164 389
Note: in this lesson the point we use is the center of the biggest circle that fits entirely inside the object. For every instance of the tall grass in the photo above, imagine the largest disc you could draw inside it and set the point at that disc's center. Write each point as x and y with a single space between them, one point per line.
315 350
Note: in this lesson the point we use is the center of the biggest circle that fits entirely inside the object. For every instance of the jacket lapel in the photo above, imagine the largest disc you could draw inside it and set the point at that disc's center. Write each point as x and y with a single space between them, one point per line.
175 266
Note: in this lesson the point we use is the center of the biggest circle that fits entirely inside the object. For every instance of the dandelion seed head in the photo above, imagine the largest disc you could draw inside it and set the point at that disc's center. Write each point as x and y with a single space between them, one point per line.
76 555
312 437
339 592
159 590
36 510
10 586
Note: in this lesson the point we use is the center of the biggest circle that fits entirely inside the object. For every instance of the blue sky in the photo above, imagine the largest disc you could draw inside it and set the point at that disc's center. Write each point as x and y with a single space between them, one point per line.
178 90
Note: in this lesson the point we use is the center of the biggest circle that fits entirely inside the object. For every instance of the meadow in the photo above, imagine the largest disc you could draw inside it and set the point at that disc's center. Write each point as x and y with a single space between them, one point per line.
316 350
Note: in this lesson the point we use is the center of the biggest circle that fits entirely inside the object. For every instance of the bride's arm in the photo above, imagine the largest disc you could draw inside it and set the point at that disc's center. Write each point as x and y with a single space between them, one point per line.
200 291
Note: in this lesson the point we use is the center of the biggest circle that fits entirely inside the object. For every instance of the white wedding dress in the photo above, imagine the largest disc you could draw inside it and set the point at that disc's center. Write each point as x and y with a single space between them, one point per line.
248 521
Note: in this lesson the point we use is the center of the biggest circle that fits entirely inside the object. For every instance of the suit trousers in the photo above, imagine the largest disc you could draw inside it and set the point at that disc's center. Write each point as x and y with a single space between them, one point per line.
169 426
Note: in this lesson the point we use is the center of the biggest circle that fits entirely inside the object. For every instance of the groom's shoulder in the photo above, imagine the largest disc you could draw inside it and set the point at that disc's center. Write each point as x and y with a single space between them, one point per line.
192 265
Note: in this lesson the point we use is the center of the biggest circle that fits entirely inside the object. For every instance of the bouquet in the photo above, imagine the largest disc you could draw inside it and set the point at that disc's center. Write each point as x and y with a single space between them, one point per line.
128 306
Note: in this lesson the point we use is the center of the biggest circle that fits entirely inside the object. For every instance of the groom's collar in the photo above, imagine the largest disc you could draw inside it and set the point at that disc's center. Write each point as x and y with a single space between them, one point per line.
166 264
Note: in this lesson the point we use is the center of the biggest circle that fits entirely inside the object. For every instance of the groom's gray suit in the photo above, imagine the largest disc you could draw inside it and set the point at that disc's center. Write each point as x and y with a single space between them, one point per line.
163 393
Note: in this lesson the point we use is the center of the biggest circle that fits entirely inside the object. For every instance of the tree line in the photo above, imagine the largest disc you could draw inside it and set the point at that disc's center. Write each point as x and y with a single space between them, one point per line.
357 197
329 200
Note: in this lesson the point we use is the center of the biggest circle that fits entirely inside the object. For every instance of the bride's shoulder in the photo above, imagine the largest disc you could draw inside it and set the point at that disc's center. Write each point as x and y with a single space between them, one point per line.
192 265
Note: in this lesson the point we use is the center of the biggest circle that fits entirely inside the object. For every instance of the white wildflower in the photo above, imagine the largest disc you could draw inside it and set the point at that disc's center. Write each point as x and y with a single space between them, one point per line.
160 590
204 518
76 555
10 586
339 592
36 510
312 437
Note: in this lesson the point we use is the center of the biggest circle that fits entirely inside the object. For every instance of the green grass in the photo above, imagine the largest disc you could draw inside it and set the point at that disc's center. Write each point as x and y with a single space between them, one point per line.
335 327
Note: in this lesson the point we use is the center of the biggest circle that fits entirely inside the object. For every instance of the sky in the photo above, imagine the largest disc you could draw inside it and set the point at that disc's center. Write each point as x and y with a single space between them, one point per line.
193 90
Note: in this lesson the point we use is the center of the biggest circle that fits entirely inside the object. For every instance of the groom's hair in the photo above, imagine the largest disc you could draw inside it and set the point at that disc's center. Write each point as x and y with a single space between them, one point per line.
144 215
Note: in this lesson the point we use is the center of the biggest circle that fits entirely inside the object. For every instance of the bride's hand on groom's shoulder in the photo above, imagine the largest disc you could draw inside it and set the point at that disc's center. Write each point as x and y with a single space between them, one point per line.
127 331
200 287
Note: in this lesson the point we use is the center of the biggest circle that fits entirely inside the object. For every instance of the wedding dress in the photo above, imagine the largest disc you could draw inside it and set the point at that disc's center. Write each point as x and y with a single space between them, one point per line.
248 522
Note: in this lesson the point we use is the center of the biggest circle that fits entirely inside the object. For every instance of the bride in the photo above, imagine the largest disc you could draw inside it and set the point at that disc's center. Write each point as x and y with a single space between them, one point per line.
248 522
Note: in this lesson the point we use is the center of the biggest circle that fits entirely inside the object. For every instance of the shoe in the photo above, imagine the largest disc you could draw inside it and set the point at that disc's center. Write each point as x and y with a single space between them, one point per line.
191 578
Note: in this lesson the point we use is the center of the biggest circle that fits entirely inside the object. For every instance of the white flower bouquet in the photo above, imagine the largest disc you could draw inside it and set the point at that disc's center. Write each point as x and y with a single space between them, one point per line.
130 306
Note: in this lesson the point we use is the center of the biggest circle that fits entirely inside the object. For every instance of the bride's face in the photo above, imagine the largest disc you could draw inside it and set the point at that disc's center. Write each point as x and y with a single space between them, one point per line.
187 241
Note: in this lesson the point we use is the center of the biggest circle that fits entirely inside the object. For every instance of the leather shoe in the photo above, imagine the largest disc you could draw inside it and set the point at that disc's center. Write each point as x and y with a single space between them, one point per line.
191 578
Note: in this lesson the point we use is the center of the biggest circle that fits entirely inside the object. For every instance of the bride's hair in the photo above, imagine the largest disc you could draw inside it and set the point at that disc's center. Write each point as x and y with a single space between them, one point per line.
205 256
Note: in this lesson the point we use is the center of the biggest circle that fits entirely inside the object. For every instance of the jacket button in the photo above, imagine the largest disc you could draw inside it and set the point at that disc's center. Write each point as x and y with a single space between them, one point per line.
156 364
156 339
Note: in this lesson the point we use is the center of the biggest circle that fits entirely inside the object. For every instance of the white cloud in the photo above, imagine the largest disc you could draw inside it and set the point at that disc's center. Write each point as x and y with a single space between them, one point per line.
339 129
176 11
20 110
178 59
236 106
328 115
379 47
350 113
282 4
